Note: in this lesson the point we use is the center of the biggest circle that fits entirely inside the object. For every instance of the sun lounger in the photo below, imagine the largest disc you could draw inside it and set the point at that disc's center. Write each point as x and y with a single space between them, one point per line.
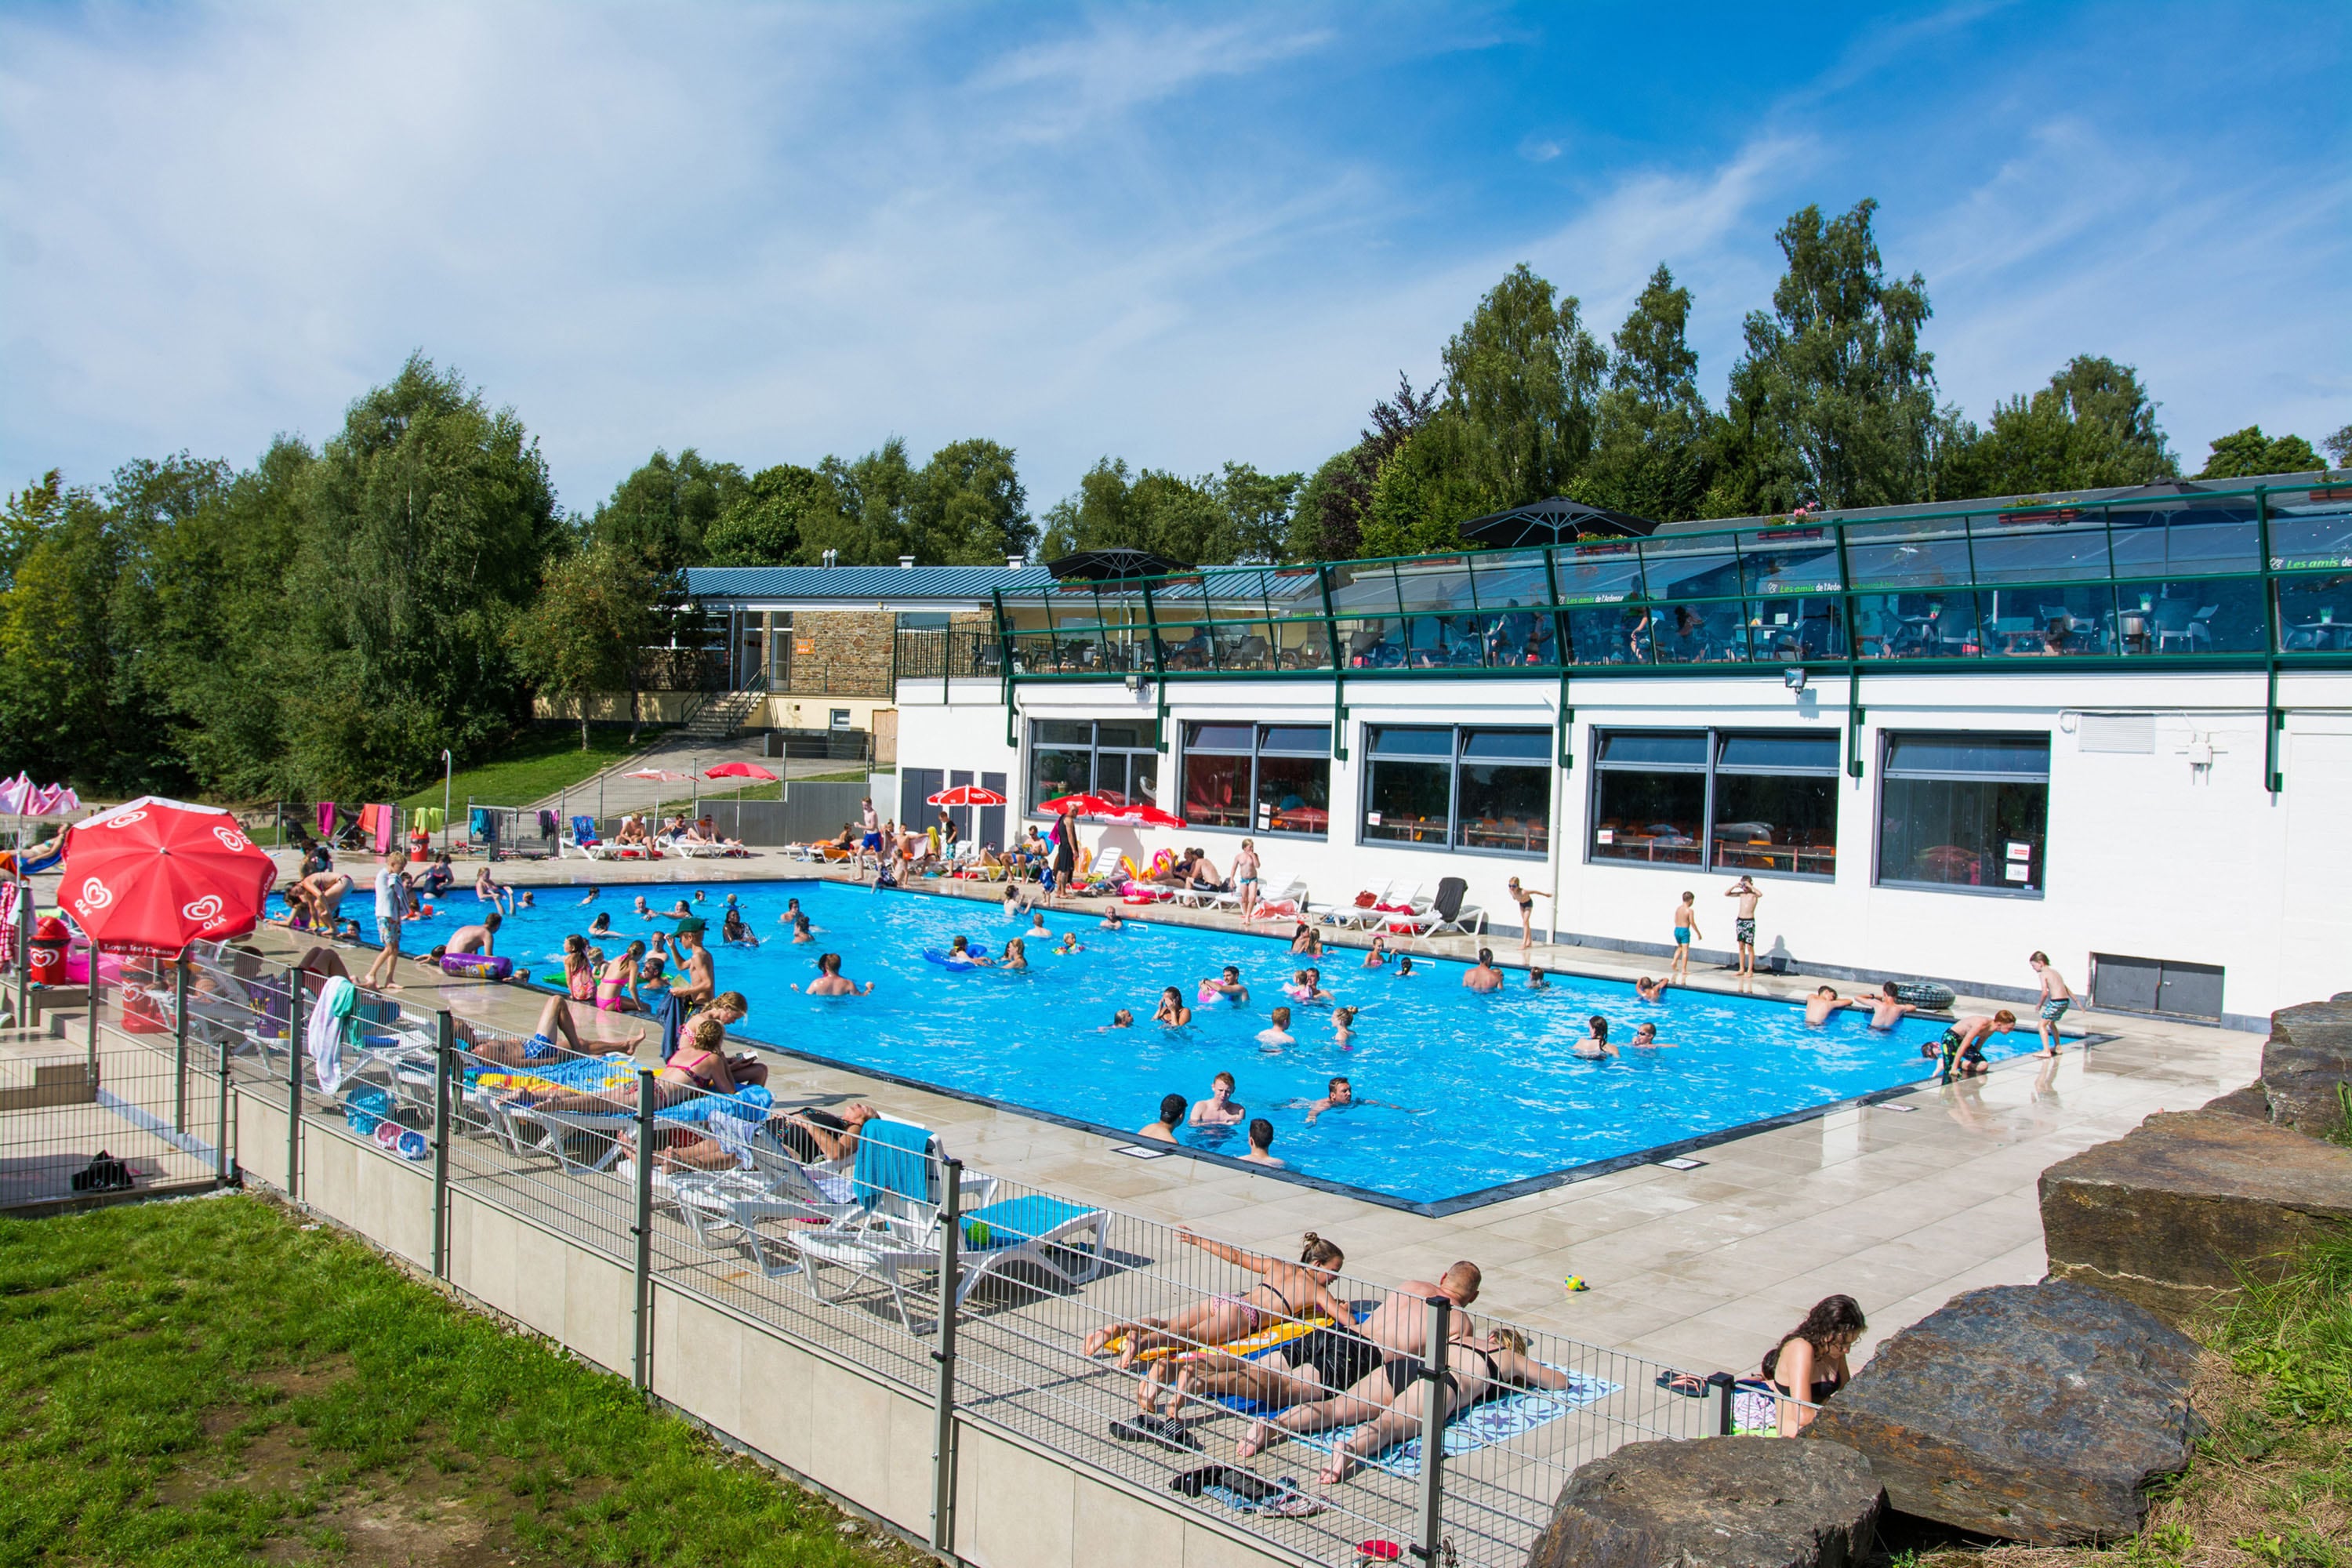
584 841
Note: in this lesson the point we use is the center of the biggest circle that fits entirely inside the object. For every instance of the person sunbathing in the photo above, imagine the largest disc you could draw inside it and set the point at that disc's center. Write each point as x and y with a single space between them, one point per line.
806 1137
556 1033
697 1067
1305 1369
1284 1291
1390 1404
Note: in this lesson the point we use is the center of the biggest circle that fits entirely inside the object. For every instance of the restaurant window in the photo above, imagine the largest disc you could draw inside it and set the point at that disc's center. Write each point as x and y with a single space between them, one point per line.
1266 778
1729 801
1114 760
1464 788
1964 811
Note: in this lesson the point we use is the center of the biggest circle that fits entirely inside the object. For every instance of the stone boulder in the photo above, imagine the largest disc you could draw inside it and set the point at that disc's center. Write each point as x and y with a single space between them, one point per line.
2166 1214
1718 1502
2249 1101
2034 1413
2309 1054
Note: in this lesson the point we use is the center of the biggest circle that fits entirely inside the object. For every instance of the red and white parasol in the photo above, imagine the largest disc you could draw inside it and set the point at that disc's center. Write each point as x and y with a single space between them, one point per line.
154 874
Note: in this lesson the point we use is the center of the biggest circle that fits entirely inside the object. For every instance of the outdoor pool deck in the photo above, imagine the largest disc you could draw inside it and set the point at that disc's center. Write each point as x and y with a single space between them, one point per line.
1901 1208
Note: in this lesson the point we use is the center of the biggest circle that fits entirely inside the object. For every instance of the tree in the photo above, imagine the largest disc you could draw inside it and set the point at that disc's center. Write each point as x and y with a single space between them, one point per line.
2092 427
662 513
432 519
968 509
870 523
56 666
1327 523
1833 402
1650 449
1155 511
2339 446
1523 375
764 523
1426 490
2243 454
584 634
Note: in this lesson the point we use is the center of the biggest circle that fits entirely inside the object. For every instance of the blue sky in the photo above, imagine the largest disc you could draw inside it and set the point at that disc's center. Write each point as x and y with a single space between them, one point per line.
1178 235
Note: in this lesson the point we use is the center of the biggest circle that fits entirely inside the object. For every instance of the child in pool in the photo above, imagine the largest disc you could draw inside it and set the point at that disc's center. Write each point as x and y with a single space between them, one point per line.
1067 945
1536 979
1343 1027
1379 956
1404 970
959 952
1017 955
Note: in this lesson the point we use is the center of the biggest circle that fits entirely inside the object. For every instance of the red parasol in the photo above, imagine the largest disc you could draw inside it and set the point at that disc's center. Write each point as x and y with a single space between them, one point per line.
739 771
154 874
965 794
1080 805
1145 816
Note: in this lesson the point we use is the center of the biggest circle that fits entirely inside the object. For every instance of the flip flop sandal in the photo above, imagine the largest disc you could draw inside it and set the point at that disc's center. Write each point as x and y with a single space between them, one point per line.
1689 1384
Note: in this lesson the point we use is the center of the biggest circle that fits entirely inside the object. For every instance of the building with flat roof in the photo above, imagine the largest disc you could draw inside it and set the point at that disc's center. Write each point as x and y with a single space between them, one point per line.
2113 725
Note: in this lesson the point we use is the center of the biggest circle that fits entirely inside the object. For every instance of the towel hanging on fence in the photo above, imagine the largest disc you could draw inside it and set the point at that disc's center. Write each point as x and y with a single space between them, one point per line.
547 827
479 826
327 820
331 1017
386 821
426 819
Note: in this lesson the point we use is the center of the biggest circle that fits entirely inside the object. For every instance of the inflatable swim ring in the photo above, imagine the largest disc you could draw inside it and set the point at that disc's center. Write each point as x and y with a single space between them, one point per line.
473 965
1163 862
939 956
1924 995
1134 872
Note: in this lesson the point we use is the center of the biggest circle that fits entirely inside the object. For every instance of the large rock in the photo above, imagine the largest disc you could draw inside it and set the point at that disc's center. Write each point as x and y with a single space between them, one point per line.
2167 1213
2035 1412
1720 1502
2308 1055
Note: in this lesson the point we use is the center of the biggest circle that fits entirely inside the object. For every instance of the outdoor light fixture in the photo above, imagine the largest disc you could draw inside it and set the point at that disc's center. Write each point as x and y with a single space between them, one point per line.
1793 678
1134 683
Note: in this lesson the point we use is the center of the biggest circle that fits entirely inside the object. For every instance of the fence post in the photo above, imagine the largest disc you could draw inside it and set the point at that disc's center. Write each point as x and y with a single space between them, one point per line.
90 1067
443 1055
180 1043
944 1406
642 1310
1433 1432
1722 1383
296 1006
25 950
220 1124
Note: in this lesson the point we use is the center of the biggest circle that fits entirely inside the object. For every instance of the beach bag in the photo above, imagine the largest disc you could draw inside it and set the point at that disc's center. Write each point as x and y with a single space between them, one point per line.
1367 899
365 1110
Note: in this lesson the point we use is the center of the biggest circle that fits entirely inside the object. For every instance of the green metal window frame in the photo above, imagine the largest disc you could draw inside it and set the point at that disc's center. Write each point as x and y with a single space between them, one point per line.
1042 643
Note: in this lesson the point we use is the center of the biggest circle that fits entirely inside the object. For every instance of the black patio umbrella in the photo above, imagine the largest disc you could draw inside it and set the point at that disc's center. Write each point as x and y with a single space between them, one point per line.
1554 521
1115 561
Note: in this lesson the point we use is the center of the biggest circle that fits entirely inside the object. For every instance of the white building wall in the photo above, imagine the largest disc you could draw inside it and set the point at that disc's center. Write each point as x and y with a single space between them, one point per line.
2149 854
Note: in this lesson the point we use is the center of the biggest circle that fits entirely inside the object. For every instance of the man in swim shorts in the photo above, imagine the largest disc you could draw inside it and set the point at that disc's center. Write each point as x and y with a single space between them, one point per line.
2055 999
1230 987
475 938
1744 927
1483 976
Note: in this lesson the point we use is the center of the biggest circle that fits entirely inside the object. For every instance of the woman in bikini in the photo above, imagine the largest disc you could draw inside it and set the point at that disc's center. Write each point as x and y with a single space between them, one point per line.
698 1067
1526 898
1173 1011
1378 954
617 988
1809 1364
1389 1404
1285 1293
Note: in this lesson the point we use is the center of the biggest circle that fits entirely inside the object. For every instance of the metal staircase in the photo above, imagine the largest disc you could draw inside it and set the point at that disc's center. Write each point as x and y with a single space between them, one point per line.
715 716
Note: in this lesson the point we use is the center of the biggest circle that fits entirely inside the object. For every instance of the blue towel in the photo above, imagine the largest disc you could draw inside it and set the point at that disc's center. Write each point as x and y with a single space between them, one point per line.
1020 1219
892 1158
583 830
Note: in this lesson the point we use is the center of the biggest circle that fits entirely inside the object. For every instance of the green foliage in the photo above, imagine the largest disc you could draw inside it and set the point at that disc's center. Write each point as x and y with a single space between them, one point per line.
1426 490
762 525
1328 522
1523 376
968 508
663 512
1240 514
534 764
431 518
595 612
2093 426
1833 402
2243 454
2296 1334
2339 446
207 1382
1651 454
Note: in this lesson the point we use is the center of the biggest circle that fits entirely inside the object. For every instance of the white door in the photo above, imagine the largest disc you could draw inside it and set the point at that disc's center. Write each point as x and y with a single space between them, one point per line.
2316 939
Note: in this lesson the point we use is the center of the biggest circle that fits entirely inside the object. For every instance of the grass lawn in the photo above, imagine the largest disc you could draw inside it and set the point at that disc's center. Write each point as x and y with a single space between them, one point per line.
209 1382
540 761
2271 1486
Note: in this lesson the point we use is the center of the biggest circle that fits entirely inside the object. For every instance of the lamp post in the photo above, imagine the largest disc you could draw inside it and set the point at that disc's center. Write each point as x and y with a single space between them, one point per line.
445 769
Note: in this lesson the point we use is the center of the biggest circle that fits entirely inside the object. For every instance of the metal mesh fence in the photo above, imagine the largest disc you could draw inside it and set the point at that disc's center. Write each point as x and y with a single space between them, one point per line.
1172 1360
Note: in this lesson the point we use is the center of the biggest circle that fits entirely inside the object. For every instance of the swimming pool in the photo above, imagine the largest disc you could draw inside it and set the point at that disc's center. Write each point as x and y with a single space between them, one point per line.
1474 1091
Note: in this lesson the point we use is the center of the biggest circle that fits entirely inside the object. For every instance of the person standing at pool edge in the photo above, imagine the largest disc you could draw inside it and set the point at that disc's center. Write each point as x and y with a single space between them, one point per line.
1066 857
698 985
390 908
2055 999
1686 928
1744 927
1526 898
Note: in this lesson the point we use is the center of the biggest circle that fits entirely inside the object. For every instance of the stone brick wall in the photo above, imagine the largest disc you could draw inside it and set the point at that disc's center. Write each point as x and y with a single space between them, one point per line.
848 652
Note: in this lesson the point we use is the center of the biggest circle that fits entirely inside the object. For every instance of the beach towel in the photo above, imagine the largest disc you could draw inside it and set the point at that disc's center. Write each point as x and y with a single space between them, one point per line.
1251 1348
386 820
327 820
1486 1424
426 819
331 1020
891 1158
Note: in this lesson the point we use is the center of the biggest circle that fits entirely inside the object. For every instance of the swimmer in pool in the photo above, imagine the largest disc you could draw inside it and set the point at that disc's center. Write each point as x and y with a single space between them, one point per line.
830 982
734 932
1405 969
526 900
1822 1004
1067 945
959 952
1012 900
601 926
1314 993
1221 1108
1230 987
1337 1095
1017 955
1378 954
1112 920
1595 1044
643 911
1885 1011
1649 990
1122 1019
1343 1027
1173 1011
1279 1035
594 894
1645 1038
1536 979
1037 925
802 929
679 910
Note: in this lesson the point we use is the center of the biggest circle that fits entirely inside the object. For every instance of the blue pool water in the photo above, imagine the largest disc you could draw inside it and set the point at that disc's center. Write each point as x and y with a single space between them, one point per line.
1476 1090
